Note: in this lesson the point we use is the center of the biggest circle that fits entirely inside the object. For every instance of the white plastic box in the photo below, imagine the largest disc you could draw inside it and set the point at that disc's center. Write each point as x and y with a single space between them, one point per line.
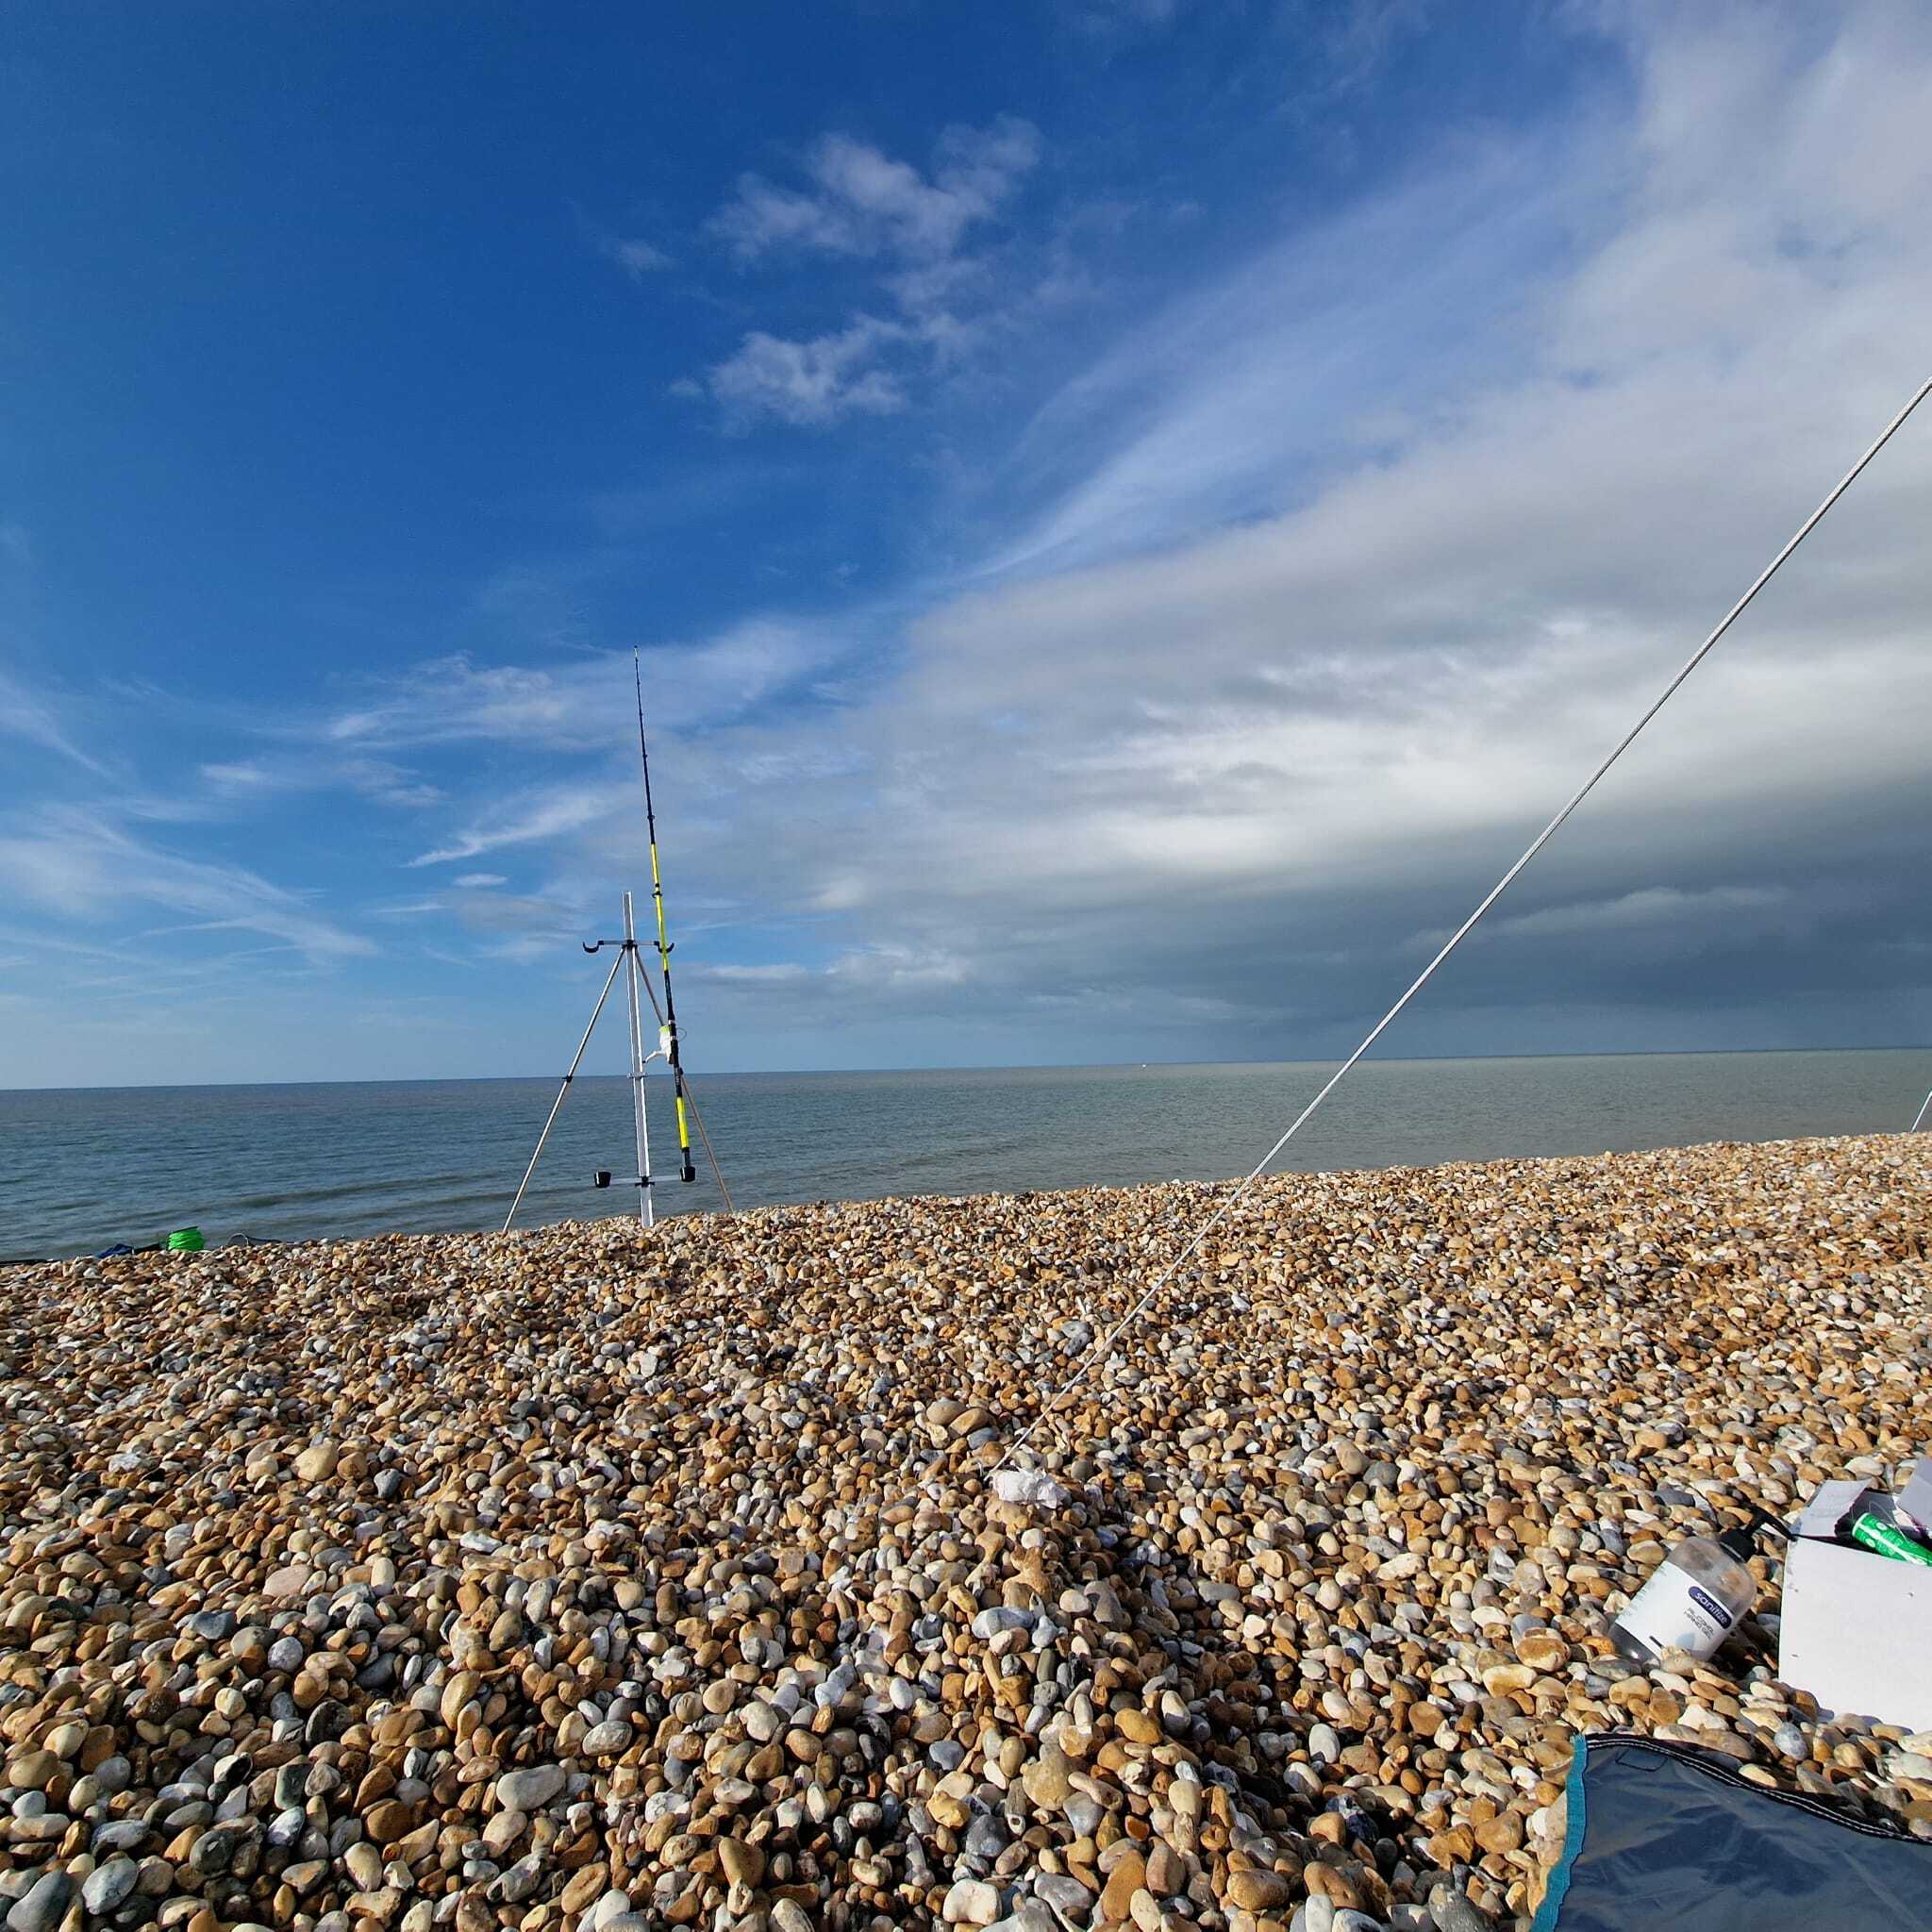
1855 1628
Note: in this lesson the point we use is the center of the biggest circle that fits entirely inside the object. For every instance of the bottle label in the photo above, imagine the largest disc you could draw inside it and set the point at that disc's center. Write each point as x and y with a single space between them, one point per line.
1671 1612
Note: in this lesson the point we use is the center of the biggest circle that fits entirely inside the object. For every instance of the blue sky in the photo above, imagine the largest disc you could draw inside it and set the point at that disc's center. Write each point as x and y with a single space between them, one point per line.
1132 513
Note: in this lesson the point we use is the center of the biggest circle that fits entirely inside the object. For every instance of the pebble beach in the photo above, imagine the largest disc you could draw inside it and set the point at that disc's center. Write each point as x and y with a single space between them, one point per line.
591 1579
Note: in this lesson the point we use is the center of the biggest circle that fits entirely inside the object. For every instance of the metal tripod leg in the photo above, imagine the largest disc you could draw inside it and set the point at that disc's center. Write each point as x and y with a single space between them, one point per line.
556 1105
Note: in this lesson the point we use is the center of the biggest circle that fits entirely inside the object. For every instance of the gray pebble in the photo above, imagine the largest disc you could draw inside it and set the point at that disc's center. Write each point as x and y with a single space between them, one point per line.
106 1884
1452 1912
1083 1814
44 1906
1066 1896
986 1837
523 1878
530 1789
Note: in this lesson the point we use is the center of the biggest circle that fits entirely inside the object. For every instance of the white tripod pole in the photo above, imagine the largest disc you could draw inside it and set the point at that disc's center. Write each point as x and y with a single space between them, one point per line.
647 1212
1922 1113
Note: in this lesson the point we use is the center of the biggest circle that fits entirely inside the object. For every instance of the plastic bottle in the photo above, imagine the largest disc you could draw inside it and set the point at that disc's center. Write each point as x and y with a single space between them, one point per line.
1692 1601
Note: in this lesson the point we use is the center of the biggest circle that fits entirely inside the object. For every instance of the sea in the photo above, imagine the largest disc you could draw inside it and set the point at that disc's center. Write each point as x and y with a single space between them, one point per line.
81 1169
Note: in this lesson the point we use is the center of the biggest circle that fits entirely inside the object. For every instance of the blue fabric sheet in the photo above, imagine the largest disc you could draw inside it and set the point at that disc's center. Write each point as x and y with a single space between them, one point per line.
1667 1837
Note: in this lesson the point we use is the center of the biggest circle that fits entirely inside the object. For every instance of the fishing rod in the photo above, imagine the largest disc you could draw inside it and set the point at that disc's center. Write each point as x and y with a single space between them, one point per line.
667 1030
629 960
690 1092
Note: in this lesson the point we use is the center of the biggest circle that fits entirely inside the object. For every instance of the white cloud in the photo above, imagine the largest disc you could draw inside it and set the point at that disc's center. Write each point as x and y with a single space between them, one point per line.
859 201
479 881
784 973
863 206
887 968
811 383
637 258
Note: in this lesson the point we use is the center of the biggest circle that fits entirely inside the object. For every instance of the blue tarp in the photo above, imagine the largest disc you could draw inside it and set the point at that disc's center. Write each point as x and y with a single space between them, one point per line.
1667 1837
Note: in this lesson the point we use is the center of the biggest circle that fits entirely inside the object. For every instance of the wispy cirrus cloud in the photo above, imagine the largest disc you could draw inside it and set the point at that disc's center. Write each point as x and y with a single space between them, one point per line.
1649 905
74 861
529 818
568 706
38 717
636 257
261 777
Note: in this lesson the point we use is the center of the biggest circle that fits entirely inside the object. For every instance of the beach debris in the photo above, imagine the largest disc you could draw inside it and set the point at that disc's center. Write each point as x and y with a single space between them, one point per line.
1032 1487
1694 1598
1855 1618
594 1579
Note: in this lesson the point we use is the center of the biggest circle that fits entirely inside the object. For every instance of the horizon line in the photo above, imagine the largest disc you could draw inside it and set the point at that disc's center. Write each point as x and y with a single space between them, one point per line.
1001 1067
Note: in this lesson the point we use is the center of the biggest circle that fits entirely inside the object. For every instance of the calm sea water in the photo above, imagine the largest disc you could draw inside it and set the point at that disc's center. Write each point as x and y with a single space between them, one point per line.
83 1168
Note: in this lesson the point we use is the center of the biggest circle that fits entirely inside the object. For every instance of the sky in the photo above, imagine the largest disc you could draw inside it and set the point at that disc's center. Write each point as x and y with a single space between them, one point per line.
1132 513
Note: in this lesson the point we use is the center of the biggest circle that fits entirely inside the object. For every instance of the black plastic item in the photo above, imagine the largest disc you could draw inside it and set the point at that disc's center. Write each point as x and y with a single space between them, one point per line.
1743 1541
1668 1838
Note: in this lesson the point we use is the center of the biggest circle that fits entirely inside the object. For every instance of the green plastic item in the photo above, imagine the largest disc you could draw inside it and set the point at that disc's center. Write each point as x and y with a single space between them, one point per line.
1888 1542
186 1240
